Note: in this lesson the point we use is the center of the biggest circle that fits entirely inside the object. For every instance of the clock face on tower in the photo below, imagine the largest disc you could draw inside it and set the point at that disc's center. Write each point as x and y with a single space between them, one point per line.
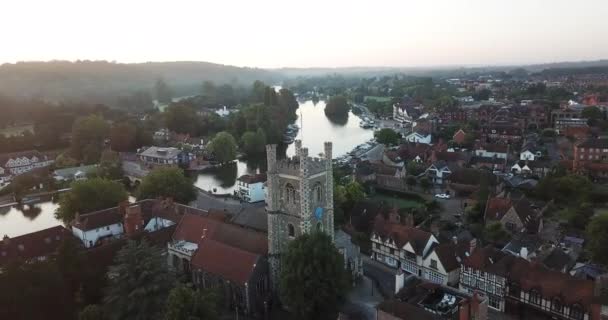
319 213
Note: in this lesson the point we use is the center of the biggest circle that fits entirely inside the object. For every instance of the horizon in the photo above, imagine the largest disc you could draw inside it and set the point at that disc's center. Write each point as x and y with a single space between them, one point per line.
271 35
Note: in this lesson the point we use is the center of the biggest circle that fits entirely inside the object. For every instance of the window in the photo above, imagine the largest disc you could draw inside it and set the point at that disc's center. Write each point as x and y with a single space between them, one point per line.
290 194
556 305
320 227
494 302
392 251
292 231
534 297
108 228
434 264
576 312
317 192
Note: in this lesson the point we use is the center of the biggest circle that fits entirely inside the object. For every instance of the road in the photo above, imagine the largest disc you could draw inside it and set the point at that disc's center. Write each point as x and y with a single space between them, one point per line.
383 275
363 299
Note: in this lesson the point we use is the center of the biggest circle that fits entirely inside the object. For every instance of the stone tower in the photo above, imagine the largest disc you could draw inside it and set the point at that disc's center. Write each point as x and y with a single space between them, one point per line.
299 200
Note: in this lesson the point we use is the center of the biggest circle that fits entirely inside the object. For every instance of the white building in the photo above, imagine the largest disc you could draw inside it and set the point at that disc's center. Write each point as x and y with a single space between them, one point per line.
74 173
160 156
492 151
419 137
22 162
438 172
414 251
251 188
530 155
125 219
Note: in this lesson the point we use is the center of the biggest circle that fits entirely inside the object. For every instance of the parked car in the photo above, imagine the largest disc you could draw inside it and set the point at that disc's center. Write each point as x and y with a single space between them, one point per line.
442 196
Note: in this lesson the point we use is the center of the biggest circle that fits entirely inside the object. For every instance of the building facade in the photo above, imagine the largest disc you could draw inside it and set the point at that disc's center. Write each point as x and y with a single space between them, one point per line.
250 188
300 200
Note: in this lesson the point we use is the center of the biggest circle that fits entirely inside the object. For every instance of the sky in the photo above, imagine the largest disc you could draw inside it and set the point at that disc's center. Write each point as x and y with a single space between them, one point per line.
311 33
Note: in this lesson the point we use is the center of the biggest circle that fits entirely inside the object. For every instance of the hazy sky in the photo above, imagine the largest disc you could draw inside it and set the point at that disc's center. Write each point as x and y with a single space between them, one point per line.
306 33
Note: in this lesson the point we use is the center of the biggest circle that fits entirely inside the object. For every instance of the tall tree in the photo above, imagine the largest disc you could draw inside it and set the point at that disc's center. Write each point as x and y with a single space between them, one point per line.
88 138
122 137
185 303
387 136
182 118
162 91
223 146
110 166
254 142
138 283
167 182
313 281
598 238
89 195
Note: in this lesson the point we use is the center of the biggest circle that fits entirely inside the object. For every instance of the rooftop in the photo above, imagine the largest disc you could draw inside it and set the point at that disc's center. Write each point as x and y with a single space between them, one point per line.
160 152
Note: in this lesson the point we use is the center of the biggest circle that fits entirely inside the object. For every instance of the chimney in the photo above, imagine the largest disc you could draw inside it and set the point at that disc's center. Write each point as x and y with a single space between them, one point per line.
472 245
455 239
409 220
133 220
6 240
523 252
77 217
393 216
122 206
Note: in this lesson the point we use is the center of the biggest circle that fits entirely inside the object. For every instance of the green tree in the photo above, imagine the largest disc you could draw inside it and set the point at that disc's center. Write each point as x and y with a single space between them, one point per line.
89 195
313 281
254 142
123 136
88 138
425 184
337 106
387 136
65 161
354 192
410 181
414 168
592 113
223 146
184 303
91 312
169 183
182 118
162 91
597 238
110 166
139 283
495 233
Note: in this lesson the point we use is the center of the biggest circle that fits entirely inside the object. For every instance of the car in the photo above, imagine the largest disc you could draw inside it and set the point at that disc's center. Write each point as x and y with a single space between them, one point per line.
442 196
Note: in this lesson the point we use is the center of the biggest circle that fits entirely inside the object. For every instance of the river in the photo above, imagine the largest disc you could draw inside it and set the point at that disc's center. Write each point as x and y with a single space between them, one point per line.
315 129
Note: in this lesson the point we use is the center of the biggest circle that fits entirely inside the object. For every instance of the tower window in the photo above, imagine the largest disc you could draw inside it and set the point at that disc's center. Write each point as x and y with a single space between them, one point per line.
290 194
319 226
291 230
317 192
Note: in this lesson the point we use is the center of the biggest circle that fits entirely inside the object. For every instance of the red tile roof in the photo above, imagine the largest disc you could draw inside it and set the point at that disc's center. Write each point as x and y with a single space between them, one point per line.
226 250
401 234
224 260
33 245
497 207
249 179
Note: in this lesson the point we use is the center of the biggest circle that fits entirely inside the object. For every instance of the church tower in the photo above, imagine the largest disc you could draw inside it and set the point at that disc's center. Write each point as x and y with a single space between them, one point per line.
299 200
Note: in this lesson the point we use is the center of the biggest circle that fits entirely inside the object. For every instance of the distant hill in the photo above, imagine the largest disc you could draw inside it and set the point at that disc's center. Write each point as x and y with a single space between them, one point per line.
102 81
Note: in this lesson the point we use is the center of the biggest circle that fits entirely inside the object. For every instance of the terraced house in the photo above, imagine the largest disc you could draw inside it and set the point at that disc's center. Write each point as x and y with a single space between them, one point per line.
528 289
13 164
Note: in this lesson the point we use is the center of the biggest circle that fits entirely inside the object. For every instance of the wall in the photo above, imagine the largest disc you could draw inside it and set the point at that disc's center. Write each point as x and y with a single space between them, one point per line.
89 238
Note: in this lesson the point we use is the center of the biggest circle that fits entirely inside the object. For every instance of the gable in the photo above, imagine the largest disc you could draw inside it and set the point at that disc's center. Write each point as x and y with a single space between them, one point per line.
512 216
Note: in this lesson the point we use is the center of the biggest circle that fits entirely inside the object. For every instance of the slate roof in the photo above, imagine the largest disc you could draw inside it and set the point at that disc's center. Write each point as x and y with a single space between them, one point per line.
33 245
70 172
160 152
558 260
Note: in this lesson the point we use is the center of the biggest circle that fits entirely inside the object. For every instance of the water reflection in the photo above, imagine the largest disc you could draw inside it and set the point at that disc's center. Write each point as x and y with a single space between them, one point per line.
19 220
345 134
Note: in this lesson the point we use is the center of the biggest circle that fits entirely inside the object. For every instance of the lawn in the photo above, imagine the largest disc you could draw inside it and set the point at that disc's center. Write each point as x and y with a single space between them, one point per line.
379 99
396 200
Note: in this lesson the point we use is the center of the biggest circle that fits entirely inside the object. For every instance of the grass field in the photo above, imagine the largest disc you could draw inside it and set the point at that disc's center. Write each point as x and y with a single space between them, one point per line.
16 130
400 202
